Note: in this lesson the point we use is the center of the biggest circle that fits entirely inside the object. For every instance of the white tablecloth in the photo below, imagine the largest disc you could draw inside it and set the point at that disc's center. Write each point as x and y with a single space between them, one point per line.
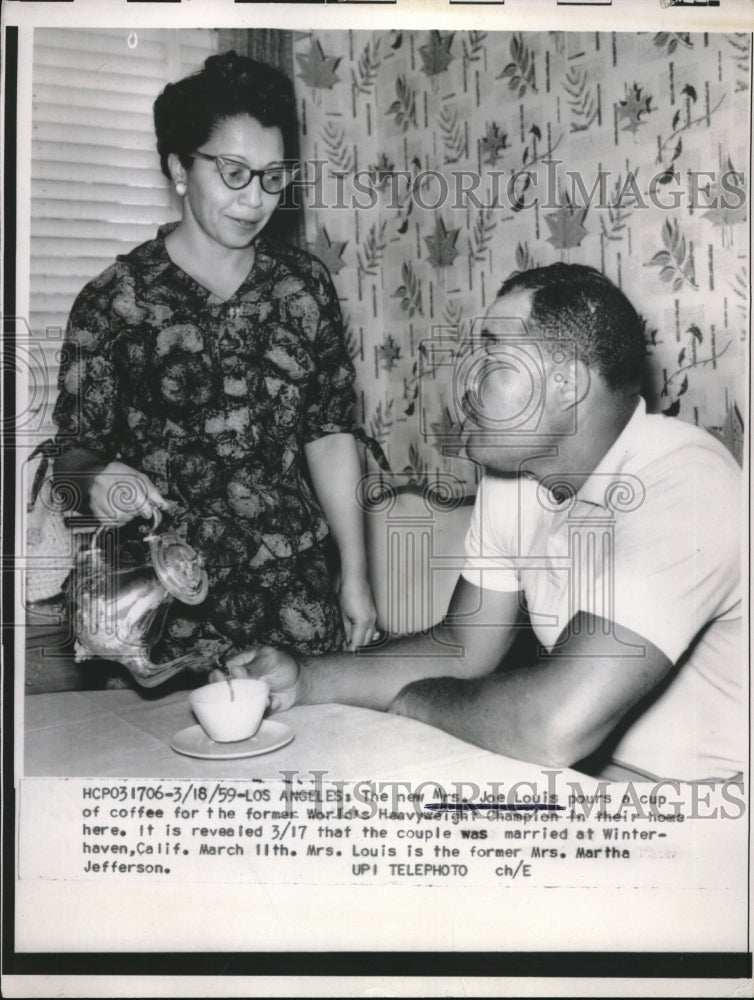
123 734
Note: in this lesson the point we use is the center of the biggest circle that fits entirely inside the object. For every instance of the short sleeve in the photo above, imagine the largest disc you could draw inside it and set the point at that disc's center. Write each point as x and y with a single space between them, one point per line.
677 562
330 408
489 546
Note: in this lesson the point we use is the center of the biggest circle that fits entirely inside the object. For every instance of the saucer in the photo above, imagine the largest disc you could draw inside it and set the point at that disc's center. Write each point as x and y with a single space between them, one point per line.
194 742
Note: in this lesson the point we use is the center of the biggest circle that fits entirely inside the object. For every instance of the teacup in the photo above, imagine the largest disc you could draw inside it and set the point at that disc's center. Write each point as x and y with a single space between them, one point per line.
230 712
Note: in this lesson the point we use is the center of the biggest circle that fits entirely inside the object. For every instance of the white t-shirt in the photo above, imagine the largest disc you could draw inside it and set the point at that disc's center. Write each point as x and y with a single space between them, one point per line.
652 542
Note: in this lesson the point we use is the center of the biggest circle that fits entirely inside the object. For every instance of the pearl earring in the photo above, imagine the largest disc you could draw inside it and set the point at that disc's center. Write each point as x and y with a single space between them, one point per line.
180 189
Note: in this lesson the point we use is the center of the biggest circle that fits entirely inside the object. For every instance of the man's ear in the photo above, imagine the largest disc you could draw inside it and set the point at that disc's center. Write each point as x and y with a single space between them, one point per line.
572 381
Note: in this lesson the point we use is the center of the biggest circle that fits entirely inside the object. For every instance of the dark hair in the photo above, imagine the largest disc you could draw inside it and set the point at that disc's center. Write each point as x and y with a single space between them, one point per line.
187 112
585 307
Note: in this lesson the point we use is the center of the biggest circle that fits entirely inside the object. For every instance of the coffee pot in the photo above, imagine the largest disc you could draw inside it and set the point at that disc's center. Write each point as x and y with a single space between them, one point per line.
119 606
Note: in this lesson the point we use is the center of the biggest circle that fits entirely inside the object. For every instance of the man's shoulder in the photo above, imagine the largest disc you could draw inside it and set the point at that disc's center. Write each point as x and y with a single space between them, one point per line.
688 488
673 450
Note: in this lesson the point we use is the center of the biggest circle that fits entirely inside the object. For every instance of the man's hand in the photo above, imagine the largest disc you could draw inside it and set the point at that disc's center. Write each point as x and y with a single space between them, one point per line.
276 667
120 493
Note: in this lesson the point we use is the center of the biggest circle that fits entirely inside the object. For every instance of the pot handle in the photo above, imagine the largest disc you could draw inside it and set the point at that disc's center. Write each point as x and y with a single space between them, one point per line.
156 521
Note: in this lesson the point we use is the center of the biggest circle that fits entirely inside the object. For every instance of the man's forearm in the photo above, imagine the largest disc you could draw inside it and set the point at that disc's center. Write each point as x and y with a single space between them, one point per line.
556 710
489 712
373 675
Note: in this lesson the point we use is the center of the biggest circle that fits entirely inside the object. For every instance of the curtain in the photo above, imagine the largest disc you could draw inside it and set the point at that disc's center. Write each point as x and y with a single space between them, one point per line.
96 185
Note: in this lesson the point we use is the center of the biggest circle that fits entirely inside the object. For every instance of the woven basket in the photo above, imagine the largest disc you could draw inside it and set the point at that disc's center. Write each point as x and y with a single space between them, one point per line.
49 546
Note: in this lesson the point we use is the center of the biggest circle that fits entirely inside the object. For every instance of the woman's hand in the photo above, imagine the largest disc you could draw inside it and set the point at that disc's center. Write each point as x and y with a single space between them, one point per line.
359 612
120 493
276 667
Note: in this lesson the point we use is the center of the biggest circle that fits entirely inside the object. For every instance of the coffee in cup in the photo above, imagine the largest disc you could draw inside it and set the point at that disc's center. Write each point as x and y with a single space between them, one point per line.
231 711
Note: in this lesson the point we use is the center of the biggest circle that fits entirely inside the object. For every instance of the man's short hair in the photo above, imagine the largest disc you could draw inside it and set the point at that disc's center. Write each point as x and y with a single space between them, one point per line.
581 305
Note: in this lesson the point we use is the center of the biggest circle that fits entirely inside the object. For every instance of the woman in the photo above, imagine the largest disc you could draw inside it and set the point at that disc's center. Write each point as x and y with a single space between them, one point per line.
207 375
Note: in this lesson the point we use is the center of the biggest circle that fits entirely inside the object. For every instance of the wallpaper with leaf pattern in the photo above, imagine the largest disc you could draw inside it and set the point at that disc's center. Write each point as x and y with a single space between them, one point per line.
660 111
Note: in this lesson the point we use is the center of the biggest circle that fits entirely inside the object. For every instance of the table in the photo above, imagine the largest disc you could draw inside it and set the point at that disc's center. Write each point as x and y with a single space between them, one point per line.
121 733
117 734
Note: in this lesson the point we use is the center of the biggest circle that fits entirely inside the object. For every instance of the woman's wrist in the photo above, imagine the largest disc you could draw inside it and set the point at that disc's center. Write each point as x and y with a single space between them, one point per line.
353 570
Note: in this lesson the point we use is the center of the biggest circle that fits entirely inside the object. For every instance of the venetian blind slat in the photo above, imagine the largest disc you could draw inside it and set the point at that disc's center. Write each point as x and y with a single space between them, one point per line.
97 188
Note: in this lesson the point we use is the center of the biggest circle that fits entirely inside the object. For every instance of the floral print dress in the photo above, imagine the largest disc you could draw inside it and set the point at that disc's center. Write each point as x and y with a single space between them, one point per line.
214 400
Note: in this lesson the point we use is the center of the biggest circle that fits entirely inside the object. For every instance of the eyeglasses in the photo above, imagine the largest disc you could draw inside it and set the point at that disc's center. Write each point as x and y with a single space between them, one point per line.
237 175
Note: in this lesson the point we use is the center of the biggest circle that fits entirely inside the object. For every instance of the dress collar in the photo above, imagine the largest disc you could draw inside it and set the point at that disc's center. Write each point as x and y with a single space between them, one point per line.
155 259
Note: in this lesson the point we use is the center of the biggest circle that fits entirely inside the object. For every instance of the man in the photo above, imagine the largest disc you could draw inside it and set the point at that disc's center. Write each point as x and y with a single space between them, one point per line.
614 533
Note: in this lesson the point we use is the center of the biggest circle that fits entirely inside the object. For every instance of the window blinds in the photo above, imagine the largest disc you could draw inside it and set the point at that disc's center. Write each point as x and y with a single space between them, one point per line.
96 185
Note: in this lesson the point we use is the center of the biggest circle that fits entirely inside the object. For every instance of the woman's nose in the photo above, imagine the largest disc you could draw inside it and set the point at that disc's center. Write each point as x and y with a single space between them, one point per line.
252 193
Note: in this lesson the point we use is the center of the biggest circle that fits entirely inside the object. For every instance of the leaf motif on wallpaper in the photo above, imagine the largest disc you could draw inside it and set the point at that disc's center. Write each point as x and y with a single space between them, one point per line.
524 260
317 69
726 206
442 245
740 42
676 267
406 206
364 76
409 292
404 108
520 72
521 178
353 346
582 102
410 395
453 316
436 54
473 45
634 109
388 353
689 360
411 385
453 134
481 234
670 40
417 467
330 252
566 225
677 129
673 410
618 209
381 422
338 149
649 333
444 428
493 143
740 286
381 171
373 250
